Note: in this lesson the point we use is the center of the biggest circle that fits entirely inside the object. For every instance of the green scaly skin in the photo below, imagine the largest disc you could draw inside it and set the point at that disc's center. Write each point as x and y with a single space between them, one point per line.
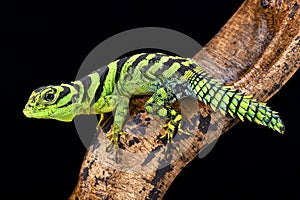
168 78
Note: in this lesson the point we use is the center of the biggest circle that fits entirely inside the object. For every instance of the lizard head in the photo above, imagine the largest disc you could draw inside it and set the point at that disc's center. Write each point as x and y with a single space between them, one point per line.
51 102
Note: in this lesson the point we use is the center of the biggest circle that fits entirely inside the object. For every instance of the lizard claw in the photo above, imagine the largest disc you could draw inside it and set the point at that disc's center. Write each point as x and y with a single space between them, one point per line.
183 131
170 131
114 137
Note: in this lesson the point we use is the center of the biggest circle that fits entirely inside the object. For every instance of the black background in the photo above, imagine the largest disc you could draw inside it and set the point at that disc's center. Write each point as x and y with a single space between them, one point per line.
47 42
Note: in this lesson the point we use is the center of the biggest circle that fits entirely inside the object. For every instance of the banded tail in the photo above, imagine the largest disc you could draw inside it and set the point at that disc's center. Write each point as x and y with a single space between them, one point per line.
234 102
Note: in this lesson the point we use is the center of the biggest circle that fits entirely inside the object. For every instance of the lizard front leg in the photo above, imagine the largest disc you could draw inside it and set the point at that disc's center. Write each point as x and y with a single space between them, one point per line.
120 113
119 106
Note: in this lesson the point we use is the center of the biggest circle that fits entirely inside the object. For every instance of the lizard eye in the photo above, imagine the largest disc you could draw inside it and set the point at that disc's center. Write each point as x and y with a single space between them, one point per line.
49 97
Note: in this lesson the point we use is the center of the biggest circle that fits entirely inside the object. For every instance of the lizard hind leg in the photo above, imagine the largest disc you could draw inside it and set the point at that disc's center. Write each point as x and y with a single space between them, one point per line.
159 105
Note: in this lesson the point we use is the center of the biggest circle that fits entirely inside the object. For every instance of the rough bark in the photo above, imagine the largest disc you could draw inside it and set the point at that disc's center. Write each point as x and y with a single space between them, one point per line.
257 51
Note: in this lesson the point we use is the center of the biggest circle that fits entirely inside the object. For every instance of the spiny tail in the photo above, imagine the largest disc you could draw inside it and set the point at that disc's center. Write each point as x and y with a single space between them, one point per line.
234 102
246 107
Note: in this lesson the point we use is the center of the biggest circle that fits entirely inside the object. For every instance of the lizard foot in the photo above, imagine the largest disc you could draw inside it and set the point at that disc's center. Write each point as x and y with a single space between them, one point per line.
172 128
114 145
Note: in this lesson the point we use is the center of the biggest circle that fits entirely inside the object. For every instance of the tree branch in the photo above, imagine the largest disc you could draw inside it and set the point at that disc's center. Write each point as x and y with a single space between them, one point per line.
257 51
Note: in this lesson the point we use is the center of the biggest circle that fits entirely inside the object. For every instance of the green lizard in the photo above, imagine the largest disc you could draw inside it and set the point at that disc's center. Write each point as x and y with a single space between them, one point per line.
110 88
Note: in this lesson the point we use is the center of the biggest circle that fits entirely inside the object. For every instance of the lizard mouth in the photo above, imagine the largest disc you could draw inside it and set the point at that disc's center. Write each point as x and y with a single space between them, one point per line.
27 112
30 113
